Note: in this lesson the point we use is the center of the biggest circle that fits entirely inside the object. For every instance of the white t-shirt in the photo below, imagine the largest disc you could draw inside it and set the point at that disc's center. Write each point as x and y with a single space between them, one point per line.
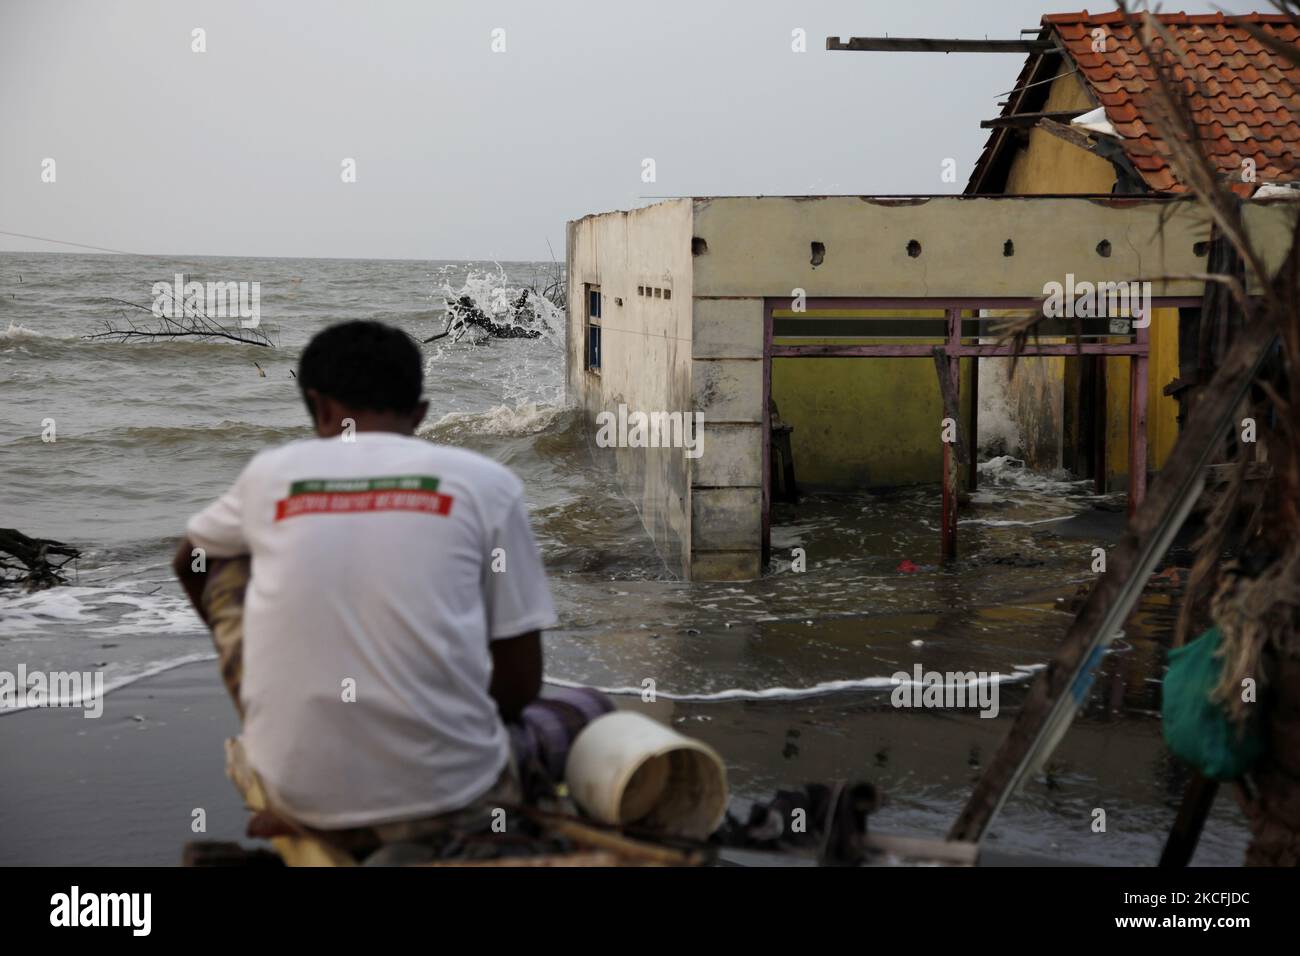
367 621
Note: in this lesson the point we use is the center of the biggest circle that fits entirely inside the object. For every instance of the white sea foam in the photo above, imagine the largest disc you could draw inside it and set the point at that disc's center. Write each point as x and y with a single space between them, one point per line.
97 612
1011 522
1004 471
821 689
493 294
17 332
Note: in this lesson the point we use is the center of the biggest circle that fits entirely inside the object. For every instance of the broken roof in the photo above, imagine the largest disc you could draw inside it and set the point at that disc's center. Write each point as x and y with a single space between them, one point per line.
1252 109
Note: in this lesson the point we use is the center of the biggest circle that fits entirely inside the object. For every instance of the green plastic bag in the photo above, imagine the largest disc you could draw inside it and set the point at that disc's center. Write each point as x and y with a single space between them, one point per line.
1197 730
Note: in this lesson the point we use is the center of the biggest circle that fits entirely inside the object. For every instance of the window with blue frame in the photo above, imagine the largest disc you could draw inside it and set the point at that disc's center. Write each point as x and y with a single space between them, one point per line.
593 327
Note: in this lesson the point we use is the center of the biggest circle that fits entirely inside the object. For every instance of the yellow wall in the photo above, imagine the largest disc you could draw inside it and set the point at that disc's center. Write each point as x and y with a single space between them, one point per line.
1050 165
864 422
1162 410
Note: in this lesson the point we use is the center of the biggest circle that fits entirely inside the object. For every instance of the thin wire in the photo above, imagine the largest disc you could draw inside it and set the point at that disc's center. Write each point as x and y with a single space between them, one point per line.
1050 79
80 245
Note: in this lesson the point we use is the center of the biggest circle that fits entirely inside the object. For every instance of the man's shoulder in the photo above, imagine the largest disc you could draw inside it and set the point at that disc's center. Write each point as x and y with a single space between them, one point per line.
474 471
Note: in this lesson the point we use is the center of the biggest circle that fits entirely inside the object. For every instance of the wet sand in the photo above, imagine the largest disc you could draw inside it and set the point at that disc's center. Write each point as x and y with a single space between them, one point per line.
122 789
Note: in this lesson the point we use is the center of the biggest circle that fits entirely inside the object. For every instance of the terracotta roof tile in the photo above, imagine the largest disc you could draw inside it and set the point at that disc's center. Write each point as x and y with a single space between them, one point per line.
1251 106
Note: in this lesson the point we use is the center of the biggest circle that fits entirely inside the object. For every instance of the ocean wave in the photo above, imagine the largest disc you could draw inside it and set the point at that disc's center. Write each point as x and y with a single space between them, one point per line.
98 612
134 436
18 332
517 421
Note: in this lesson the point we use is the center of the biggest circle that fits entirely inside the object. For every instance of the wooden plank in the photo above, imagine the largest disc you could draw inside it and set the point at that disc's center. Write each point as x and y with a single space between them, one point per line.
1075 137
965 351
973 428
928 45
953 852
1198 798
590 859
951 408
1137 433
954 453
610 840
1031 119
765 543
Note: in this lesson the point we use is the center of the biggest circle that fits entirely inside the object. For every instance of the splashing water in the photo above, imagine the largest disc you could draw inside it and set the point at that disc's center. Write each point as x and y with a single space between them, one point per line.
534 375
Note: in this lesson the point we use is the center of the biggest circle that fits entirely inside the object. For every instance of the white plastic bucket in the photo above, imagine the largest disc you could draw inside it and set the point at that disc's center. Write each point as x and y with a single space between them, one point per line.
625 768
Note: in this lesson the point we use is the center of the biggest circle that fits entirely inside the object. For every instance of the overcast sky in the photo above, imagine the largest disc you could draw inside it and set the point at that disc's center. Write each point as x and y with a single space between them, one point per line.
462 152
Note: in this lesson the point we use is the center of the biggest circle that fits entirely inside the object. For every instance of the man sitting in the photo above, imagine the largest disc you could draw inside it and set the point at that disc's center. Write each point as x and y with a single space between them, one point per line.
391 623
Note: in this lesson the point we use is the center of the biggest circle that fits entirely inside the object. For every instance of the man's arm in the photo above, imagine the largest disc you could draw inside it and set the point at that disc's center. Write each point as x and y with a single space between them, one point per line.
516 673
192 581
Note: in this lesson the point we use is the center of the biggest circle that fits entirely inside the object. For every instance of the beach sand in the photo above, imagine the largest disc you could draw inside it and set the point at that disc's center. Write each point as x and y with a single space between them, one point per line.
121 789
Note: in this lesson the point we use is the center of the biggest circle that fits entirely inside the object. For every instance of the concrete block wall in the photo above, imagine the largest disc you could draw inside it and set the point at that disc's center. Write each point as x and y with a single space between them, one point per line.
727 480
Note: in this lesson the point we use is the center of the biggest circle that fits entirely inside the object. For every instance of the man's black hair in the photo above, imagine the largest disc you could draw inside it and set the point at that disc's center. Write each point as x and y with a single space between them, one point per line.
365 365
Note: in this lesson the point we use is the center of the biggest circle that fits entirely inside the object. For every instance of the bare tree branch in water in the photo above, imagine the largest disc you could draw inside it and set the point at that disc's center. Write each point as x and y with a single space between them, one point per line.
193 323
556 290
33 562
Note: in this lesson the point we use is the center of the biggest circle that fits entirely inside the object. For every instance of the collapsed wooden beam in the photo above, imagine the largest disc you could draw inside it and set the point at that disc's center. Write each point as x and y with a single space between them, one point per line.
1060 117
930 45
954 453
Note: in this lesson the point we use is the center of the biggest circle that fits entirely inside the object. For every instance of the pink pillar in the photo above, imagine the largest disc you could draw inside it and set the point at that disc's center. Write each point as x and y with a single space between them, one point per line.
1137 425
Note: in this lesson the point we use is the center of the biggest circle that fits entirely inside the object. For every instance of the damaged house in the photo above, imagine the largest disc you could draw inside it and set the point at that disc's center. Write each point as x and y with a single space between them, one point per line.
853 335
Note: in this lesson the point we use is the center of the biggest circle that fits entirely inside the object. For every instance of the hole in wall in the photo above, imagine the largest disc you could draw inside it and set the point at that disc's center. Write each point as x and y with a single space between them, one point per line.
1008 248
913 248
698 246
1201 249
818 254
1103 248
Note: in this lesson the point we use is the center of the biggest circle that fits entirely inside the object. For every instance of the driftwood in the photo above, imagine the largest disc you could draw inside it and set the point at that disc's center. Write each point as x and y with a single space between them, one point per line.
463 314
192 323
33 562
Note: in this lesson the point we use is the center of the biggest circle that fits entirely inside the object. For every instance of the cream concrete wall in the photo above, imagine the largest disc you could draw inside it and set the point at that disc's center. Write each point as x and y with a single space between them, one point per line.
646 353
762 246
